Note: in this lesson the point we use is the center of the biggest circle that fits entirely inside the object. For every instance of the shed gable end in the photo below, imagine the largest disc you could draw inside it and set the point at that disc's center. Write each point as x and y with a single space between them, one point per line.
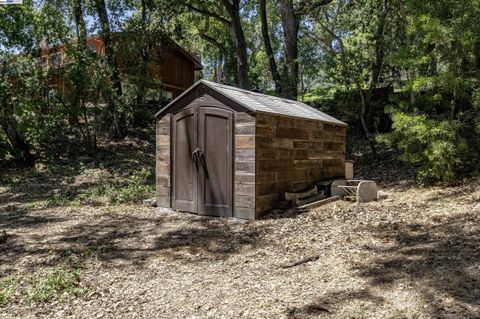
201 95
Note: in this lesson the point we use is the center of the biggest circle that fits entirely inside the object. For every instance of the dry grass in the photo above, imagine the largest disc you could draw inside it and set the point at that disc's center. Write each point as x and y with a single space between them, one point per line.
413 255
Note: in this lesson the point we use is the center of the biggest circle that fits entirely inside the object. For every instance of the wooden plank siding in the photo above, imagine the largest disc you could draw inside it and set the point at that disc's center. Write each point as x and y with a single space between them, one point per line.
163 162
244 185
272 153
292 154
170 68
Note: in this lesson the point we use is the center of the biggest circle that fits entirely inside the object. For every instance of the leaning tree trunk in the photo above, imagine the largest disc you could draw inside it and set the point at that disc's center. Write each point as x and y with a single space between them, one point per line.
118 119
291 25
220 72
22 151
20 147
277 79
233 9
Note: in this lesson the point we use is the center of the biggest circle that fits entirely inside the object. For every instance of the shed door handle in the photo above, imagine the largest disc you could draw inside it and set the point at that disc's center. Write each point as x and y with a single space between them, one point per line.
204 163
195 156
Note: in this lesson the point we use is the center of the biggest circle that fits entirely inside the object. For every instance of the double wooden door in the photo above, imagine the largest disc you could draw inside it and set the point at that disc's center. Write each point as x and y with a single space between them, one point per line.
202 161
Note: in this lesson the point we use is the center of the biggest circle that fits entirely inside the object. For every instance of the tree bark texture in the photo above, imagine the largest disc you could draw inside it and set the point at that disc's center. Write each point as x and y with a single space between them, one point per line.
233 9
291 24
268 48
20 147
118 119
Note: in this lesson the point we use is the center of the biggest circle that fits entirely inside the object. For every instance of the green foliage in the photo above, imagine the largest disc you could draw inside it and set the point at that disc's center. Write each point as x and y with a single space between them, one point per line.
53 283
7 286
438 128
59 199
109 190
140 187
434 145
5 148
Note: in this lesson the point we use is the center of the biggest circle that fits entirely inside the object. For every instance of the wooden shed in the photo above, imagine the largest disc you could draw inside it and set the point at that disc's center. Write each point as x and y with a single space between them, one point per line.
224 151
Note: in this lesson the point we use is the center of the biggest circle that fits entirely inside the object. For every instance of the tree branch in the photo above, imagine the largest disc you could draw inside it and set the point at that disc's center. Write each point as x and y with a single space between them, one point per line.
203 33
307 6
214 42
208 13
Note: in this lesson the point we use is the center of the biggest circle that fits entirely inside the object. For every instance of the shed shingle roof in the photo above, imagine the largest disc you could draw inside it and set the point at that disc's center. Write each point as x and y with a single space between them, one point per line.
263 103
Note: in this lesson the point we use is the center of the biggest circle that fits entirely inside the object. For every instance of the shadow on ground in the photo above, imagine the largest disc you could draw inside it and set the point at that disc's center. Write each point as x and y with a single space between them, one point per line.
440 262
118 235
117 239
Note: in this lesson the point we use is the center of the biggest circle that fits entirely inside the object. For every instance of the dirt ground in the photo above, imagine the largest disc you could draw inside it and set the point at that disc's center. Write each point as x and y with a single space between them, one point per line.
415 254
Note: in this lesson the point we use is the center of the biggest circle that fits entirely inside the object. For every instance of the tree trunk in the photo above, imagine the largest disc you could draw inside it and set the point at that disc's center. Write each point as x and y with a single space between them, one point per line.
24 155
233 9
235 25
220 73
219 69
81 33
80 86
20 147
291 25
268 48
118 119
453 106
145 56
358 86
22 151
377 66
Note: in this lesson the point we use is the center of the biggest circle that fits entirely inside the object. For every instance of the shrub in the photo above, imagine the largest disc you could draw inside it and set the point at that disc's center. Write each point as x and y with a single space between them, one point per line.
434 145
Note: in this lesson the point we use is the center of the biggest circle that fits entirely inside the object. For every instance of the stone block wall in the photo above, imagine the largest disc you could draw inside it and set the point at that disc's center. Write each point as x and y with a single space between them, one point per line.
292 154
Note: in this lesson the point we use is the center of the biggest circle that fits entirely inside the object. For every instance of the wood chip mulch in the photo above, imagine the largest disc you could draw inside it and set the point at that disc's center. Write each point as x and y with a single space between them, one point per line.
415 254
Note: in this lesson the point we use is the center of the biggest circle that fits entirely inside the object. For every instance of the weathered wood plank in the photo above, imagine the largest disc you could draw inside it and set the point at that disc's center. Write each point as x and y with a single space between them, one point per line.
164 201
245 129
245 154
244 177
163 180
293 133
244 213
244 189
291 154
245 201
266 131
245 166
242 117
244 141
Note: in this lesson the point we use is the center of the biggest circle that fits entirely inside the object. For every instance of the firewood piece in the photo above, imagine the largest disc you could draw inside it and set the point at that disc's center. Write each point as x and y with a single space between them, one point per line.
310 199
319 203
301 261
